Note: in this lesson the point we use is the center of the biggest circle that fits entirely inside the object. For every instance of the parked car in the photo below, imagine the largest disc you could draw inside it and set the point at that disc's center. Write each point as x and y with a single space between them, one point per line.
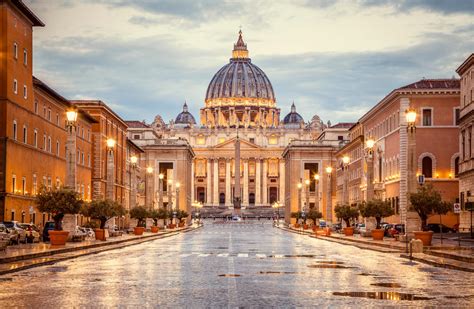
236 218
48 226
11 236
337 227
32 232
14 225
359 227
396 229
387 227
436 228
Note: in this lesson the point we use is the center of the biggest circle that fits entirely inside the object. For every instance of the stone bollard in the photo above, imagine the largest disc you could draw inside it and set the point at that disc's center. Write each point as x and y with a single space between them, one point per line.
416 246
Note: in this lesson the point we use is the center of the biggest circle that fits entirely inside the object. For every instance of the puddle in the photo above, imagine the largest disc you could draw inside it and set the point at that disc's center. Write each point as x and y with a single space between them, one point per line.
6 279
330 262
229 275
301 256
280 273
364 274
459 296
222 248
329 266
57 269
383 295
387 284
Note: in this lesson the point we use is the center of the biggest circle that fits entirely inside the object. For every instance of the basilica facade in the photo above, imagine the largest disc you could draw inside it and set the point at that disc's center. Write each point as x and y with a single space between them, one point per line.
240 101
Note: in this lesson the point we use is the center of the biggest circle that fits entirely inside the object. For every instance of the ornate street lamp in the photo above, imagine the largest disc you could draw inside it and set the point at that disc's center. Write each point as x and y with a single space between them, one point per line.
370 142
160 189
412 222
149 190
345 189
133 181
178 185
110 168
299 186
329 196
307 182
316 190
277 206
169 192
71 117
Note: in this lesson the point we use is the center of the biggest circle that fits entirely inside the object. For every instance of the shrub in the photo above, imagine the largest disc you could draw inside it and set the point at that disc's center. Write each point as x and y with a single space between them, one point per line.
103 210
140 213
58 202
346 213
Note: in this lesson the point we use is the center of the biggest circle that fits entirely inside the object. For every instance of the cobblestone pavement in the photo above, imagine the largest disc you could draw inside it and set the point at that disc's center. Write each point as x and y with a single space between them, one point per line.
237 265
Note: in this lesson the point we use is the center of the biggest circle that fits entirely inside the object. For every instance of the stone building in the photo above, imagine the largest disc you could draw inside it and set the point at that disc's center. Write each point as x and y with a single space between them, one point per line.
466 159
240 101
32 124
436 102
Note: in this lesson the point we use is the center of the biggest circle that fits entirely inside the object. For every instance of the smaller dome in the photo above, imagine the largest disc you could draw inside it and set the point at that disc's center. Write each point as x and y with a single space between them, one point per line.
293 117
185 117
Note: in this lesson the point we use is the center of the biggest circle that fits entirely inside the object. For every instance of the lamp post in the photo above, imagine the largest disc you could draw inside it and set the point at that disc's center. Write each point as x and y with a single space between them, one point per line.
149 194
160 189
110 169
178 185
409 218
299 186
329 196
170 194
345 189
133 181
307 182
370 168
71 117
316 190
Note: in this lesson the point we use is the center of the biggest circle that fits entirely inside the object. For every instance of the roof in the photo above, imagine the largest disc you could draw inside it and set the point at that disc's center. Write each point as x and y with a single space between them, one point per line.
28 13
469 62
40 84
433 84
85 104
135 146
136 124
343 125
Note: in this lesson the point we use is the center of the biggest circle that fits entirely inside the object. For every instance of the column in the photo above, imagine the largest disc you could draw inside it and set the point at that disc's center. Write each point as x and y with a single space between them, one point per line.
192 182
264 183
110 175
215 188
149 190
227 182
208 182
245 200
329 198
258 179
281 189
71 157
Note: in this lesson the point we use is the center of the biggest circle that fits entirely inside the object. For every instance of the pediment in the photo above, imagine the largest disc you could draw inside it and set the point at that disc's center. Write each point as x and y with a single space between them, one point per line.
230 144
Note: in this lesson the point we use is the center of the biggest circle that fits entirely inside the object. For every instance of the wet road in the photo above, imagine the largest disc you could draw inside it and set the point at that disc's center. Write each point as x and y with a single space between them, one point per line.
237 265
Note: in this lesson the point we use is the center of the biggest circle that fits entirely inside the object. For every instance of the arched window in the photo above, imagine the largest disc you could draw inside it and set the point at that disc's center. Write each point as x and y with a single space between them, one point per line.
427 167
456 167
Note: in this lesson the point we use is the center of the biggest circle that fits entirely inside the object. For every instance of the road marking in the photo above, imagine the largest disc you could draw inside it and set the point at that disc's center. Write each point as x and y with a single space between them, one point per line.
203 255
261 256
184 255
223 254
242 255
279 256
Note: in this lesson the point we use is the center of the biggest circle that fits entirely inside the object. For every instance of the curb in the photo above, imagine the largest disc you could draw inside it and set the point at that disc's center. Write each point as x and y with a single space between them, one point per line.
437 264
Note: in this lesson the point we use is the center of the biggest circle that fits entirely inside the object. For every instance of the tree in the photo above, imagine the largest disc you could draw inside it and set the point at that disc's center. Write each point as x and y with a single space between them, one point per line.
103 210
296 215
140 213
346 213
58 202
376 208
181 214
314 215
157 214
427 201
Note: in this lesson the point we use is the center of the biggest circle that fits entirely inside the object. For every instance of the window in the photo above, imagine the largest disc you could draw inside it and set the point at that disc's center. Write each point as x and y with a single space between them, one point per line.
14 183
35 138
25 56
340 138
35 184
14 130
136 136
82 158
456 115
44 111
44 142
57 148
49 114
427 167
252 140
15 86
13 215
89 159
15 50
36 106
25 92
23 185
427 115
49 144
25 134
456 167
49 183
57 119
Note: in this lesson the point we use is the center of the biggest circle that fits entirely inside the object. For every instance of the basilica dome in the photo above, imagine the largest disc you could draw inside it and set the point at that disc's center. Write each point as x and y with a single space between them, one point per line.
185 117
240 82
293 118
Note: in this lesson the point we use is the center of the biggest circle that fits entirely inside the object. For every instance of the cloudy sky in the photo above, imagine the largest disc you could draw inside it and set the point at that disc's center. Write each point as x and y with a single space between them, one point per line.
335 58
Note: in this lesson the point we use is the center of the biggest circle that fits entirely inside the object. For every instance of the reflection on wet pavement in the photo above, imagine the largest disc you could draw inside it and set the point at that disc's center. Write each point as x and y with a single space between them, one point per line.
227 265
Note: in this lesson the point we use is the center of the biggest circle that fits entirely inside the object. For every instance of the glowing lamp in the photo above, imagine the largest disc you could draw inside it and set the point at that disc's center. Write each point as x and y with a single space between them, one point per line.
410 115
133 159
370 143
110 143
299 185
316 177
329 170
149 170
161 176
345 159
71 116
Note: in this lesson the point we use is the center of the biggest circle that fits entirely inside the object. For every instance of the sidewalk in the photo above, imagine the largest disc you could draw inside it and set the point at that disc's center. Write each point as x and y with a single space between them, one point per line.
448 254
25 256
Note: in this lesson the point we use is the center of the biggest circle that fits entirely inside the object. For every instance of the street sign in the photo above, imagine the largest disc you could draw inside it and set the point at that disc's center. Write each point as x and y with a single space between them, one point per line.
457 208
421 179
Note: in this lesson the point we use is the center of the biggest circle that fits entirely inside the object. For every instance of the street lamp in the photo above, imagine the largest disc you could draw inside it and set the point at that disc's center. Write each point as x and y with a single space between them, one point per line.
370 168
345 167
178 185
410 115
160 188
277 206
110 168
329 196
134 160
149 198
170 194
316 190
307 182
133 181
71 116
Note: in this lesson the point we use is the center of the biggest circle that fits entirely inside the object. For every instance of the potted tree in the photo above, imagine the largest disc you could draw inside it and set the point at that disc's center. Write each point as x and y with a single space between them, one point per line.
314 215
377 209
346 213
425 202
169 215
102 210
58 202
155 215
296 215
181 214
140 213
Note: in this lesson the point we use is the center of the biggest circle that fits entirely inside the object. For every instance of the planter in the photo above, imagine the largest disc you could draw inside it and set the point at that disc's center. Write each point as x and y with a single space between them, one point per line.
297 225
138 230
182 224
315 228
305 227
171 226
99 234
425 237
155 229
348 231
58 238
377 234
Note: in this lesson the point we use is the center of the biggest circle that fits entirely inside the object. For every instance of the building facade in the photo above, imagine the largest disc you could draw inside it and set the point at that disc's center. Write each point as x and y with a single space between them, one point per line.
466 158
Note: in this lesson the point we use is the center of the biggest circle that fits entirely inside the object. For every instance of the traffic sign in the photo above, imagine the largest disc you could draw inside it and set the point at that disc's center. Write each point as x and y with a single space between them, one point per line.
457 208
